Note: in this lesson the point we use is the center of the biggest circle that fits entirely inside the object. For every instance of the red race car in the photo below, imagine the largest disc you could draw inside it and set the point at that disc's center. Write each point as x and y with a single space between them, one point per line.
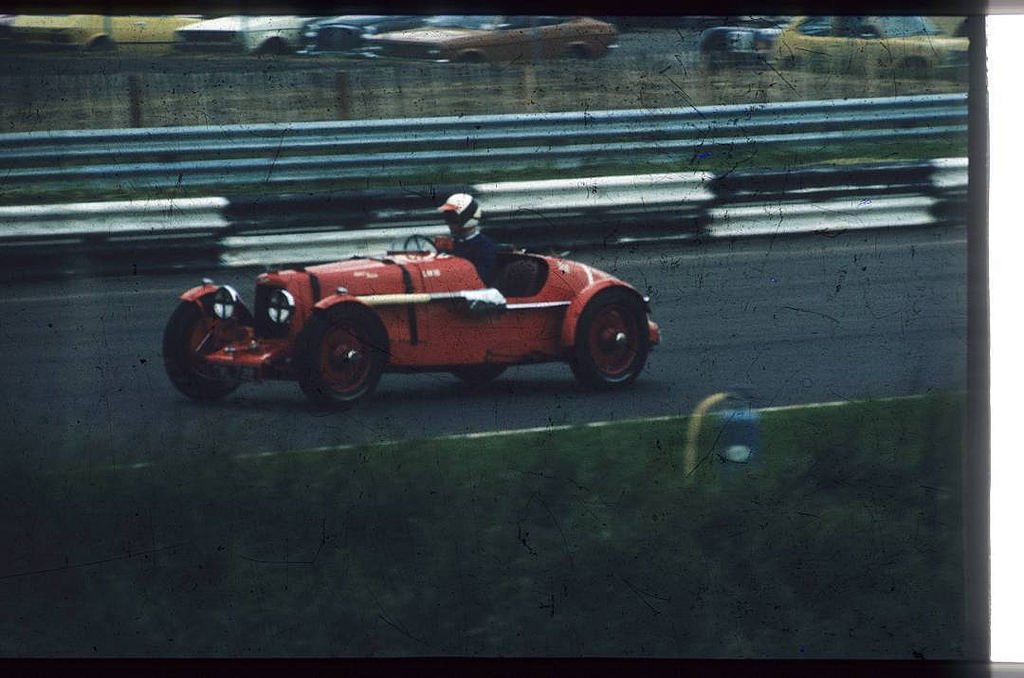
335 328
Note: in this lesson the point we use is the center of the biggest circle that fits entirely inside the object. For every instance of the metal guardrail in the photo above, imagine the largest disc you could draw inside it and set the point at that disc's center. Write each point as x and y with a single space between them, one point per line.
112 220
309 155
812 199
295 229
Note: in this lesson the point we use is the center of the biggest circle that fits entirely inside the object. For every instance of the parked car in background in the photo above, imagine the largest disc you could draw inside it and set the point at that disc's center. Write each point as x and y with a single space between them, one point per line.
739 41
910 46
345 34
246 34
497 39
93 32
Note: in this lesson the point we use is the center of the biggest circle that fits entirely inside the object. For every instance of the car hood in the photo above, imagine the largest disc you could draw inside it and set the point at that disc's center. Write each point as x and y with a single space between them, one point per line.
252 23
427 35
350 20
362 276
54 21
943 43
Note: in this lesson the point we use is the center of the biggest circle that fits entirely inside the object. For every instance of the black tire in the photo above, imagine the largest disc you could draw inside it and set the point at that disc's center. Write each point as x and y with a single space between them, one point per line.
102 45
476 376
612 340
580 52
709 63
914 68
340 355
273 47
184 337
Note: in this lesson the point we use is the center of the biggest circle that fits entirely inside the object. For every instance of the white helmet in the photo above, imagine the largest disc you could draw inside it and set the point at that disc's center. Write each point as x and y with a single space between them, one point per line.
461 212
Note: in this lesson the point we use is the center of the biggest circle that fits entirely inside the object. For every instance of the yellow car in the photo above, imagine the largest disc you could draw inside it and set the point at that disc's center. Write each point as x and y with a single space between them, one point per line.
901 46
94 32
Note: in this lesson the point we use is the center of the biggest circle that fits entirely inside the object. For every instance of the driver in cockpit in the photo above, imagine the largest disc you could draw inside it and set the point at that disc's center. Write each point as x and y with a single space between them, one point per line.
462 213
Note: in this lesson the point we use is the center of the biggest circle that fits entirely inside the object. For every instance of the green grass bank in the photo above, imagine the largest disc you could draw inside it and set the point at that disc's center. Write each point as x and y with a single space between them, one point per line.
845 541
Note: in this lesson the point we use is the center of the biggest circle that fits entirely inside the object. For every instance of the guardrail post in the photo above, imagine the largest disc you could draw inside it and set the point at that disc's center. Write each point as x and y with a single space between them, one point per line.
343 95
135 99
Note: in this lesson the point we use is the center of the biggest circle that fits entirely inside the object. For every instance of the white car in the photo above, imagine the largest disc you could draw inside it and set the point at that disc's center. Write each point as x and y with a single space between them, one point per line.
246 34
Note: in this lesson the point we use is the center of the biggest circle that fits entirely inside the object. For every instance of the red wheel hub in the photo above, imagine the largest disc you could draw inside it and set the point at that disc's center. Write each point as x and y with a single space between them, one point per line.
345 361
613 340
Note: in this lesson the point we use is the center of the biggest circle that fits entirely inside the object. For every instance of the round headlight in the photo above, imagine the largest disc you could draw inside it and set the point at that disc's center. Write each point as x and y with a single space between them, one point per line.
225 299
281 306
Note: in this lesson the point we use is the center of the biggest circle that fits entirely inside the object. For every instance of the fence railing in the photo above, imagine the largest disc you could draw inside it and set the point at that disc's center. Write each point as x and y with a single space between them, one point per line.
315 156
299 228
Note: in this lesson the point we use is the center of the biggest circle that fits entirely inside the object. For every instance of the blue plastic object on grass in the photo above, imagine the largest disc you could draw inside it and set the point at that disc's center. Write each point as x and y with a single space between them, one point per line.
739 440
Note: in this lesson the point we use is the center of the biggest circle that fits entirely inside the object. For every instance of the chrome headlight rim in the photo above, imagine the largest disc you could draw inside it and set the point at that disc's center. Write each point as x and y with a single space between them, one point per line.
281 306
225 302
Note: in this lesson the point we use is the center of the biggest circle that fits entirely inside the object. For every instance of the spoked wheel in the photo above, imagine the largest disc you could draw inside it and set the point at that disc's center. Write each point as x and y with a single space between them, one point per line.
612 341
340 355
190 334
476 376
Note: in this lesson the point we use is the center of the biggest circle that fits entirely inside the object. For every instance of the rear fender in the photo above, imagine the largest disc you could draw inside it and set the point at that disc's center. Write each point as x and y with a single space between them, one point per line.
572 314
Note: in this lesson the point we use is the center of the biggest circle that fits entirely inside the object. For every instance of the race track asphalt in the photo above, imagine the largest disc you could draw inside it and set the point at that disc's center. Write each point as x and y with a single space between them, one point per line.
797 319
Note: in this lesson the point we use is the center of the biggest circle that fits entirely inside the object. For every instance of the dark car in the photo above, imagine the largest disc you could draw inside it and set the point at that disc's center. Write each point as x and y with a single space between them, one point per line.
740 41
335 328
346 34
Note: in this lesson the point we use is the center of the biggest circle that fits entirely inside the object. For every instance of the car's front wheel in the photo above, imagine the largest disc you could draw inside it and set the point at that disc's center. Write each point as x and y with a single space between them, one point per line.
273 47
612 340
188 335
340 355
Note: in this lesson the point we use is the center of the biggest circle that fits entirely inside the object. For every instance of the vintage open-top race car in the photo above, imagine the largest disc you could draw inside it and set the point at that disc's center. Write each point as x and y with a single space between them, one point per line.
335 328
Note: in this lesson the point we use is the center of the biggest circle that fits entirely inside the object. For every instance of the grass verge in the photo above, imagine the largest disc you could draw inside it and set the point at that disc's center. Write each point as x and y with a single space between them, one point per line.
844 541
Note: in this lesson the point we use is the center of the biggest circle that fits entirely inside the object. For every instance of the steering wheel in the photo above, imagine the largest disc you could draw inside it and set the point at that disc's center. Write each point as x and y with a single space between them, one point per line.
419 243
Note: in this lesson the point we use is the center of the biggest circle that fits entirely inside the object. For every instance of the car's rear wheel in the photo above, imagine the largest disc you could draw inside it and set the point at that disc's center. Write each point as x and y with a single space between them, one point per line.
102 45
273 47
579 51
914 67
340 355
188 335
476 376
612 340
709 63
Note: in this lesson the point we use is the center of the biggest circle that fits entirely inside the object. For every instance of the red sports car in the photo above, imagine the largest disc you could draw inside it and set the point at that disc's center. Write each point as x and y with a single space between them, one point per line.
335 328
